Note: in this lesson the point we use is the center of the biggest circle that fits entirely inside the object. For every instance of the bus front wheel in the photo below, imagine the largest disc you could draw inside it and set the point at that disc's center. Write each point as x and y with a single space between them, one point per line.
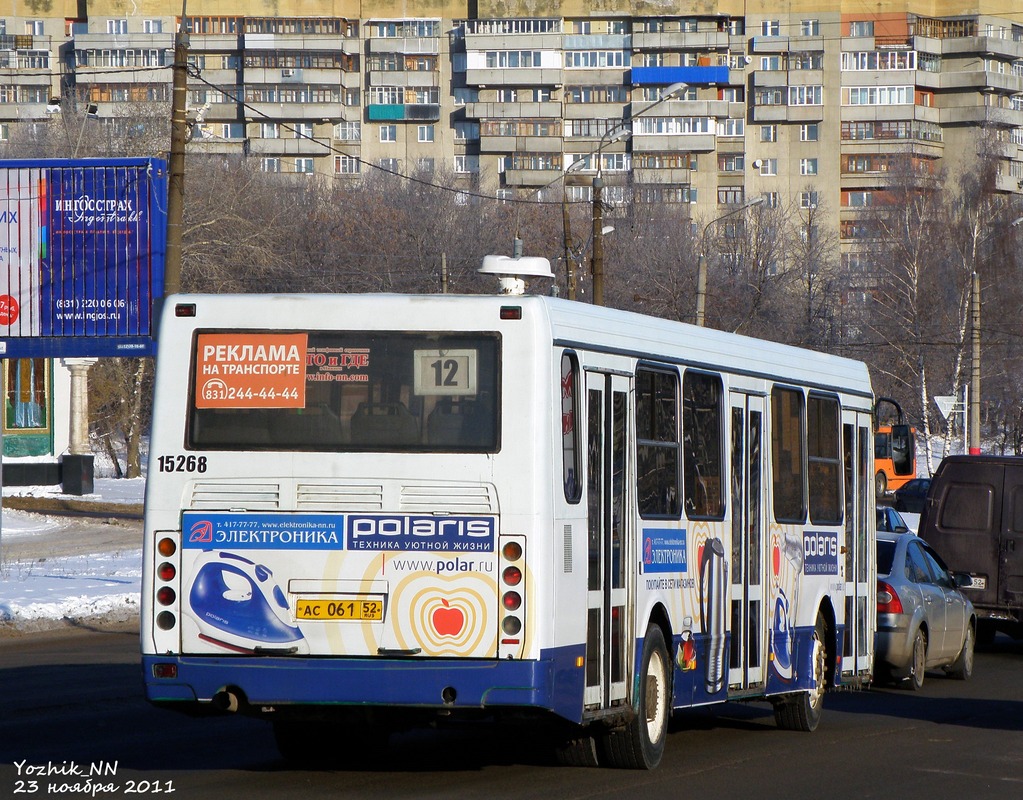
640 744
880 485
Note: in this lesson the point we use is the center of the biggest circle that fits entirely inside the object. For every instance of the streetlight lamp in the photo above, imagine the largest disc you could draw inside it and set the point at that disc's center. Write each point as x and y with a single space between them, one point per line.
701 275
975 359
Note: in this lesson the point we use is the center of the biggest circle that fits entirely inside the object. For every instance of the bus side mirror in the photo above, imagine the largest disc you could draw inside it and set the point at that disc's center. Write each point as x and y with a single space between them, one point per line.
903 450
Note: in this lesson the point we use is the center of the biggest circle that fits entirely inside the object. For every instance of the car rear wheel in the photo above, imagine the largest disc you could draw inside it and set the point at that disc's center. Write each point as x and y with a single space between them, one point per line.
962 667
918 666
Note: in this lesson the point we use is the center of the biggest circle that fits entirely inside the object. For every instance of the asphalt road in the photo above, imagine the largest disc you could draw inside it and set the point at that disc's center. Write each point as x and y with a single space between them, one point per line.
72 702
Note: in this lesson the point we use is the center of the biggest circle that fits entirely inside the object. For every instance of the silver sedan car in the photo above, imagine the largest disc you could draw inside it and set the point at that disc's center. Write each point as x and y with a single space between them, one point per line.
923 620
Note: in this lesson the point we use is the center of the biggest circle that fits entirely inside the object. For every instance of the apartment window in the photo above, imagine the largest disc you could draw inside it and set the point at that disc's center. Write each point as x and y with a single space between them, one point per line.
467 131
426 133
391 165
304 165
348 131
270 164
117 26
768 167
270 130
303 130
617 27
732 94
347 165
808 166
731 162
152 26
771 199
810 27
597 59
771 63
466 95
388 133
808 199
5 132
34 27
770 27
769 133
732 127
425 165
861 28
467 165
808 132
232 130
858 199
505 95
806 95
511 59
769 97
731 195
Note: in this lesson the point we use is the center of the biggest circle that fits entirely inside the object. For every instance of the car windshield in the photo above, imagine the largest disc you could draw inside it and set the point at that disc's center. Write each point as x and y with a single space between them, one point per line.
885 556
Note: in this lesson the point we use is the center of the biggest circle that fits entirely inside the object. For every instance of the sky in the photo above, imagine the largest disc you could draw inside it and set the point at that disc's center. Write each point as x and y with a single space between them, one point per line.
35 593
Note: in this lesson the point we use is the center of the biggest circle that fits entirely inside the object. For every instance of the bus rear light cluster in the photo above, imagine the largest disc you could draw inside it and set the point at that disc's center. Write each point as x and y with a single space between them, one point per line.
165 574
512 564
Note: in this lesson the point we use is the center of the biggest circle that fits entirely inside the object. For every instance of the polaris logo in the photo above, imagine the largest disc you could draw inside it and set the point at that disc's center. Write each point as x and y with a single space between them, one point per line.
420 533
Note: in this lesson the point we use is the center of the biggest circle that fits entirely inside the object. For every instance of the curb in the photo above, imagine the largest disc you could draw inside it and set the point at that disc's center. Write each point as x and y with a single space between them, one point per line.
73 506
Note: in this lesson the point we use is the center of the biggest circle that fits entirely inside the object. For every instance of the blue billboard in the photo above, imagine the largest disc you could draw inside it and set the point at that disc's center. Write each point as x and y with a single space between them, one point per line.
82 248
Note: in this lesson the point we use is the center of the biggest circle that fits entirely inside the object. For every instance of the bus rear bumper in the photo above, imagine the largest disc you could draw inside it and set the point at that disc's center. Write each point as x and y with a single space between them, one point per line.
195 683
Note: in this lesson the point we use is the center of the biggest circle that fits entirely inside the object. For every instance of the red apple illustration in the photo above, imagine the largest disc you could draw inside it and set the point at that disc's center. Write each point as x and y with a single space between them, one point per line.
448 621
776 560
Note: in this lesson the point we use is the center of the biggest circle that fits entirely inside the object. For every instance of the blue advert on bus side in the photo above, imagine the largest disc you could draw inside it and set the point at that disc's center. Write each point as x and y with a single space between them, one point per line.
362 532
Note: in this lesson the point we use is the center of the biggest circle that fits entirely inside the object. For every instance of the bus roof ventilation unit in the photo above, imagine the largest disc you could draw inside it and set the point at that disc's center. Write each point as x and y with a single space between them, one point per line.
512 272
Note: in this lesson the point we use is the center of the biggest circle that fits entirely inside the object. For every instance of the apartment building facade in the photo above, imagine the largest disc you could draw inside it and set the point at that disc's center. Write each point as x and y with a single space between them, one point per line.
805 104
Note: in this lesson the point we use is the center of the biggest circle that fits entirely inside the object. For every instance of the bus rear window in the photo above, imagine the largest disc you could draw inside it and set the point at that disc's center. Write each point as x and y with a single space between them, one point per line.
344 391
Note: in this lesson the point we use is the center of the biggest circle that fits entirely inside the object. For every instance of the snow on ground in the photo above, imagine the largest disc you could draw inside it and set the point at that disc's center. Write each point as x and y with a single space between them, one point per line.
43 581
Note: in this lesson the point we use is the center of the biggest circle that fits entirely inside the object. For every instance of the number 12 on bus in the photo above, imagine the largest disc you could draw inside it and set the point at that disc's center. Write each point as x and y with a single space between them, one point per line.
412 508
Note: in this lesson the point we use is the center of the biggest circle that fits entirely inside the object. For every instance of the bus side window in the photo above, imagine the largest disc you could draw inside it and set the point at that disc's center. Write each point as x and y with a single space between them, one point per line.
702 433
788 437
570 427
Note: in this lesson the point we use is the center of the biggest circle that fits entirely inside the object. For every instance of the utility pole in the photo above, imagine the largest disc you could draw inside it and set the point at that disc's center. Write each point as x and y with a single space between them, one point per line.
597 264
975 368
176 167
566 226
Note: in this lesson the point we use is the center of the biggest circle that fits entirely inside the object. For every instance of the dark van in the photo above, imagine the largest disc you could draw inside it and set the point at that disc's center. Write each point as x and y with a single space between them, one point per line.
974 517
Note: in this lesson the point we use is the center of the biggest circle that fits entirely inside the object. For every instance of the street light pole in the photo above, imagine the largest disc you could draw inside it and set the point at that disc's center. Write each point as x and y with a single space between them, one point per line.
974 404
597 256
701 274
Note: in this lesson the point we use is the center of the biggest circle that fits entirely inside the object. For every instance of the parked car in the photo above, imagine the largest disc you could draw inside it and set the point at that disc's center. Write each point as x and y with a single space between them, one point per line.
891 521
924 621
912 496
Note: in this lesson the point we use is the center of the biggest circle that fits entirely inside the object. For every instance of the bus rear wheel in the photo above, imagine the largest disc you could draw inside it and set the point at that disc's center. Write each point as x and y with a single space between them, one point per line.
640 744
802 711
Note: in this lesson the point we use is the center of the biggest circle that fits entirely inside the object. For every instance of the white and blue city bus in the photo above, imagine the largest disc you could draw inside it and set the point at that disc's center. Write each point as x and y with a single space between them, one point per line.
368 511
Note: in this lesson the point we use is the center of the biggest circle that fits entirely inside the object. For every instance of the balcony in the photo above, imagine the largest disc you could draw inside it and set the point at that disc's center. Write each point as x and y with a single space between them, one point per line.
304 146
531 177
519 76
662 177
420 78
694 76
407 112
527 110
678 40
683 143
520 144
429 45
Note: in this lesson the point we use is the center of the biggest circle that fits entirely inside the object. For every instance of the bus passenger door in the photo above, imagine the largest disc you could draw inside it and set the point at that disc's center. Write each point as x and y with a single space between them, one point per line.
749 543
607 620
860 523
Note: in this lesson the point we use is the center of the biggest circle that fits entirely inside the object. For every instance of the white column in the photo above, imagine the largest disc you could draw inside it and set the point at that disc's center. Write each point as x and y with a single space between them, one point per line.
79 427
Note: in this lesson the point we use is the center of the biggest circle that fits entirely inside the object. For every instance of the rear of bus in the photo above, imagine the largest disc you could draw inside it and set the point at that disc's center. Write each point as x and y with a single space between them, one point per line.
325 529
